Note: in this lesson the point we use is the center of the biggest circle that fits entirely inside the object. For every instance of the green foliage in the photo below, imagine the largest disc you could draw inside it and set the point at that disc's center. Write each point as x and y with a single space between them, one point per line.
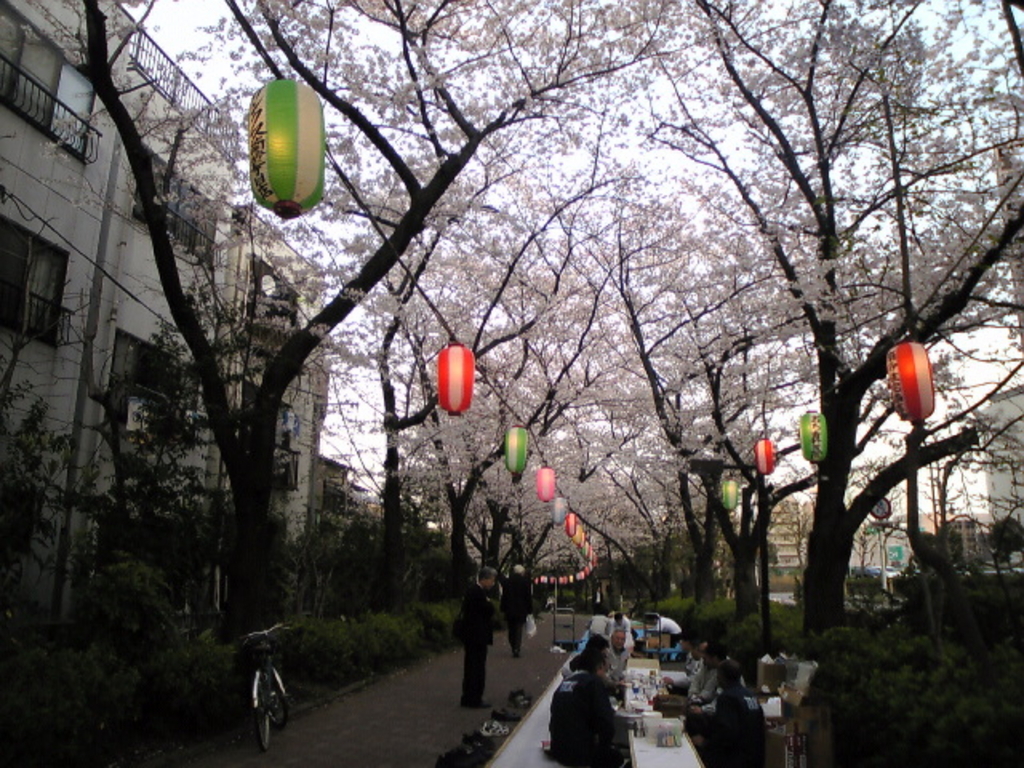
64 707
436 621
894 704
712 620
194 687
125 608
321 650
31 488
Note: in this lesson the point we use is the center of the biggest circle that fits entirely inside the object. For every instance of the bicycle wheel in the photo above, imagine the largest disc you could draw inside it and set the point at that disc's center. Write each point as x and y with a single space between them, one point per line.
261 710
278 709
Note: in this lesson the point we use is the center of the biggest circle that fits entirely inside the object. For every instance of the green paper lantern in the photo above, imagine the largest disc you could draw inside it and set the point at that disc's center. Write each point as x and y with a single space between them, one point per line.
516 440
814 437
287 146
730 494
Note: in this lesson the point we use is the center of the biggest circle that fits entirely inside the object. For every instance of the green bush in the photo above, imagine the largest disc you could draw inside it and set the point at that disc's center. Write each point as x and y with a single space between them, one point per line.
436 622
64 707
193 688
386 642
320 650
125 607
894 704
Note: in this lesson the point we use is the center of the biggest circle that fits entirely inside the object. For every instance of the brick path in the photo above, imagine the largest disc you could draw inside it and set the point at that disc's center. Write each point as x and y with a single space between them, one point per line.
404 720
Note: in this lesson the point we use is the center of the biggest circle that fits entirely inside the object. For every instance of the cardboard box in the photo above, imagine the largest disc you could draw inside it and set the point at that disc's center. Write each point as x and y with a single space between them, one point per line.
785 749
770 676
814 723
670 705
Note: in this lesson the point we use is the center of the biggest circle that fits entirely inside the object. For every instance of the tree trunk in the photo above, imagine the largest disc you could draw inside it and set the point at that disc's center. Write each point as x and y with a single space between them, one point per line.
248 571
460 573
393 560
744 579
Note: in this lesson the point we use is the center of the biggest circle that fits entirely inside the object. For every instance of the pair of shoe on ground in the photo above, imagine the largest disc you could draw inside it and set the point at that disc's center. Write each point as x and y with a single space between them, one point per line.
520 699
475 750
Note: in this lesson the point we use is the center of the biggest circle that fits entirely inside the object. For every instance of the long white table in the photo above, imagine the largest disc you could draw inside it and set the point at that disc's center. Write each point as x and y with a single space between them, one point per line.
523 748
645 754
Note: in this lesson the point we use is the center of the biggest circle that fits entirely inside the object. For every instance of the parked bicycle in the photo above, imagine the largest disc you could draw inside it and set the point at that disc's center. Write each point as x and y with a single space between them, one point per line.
269 700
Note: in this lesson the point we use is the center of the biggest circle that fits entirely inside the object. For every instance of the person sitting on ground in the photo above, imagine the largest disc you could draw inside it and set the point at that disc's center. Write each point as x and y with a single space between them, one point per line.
600 625
582 721
735 737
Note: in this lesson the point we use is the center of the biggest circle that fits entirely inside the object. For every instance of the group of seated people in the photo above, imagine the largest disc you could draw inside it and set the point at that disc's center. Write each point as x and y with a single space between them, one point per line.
723 718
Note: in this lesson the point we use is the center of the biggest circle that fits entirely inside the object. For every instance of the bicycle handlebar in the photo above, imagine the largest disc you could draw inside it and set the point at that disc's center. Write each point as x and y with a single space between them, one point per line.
264 632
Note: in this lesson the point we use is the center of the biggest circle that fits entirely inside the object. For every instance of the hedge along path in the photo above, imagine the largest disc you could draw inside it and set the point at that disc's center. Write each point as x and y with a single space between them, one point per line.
402 720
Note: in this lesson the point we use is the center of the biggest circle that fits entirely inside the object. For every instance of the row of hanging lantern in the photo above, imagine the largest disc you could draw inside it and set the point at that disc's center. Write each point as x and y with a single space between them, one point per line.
909 377
455 374
574 530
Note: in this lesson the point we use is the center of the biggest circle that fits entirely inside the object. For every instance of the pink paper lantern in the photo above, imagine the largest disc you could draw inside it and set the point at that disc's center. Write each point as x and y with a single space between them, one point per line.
545 483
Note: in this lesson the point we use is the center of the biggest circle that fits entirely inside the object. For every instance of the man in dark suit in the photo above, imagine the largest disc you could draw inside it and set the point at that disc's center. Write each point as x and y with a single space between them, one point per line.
517 604
477 634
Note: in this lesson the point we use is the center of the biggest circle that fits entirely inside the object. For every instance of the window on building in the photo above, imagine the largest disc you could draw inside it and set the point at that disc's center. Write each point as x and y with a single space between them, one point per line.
32 276
190 216
134 372
37 83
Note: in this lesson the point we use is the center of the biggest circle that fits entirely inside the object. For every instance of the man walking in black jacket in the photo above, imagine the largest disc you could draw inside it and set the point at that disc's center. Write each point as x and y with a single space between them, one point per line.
477 634
517 604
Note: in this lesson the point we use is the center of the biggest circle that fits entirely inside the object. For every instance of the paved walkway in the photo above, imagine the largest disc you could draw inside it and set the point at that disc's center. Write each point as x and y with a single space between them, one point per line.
404 720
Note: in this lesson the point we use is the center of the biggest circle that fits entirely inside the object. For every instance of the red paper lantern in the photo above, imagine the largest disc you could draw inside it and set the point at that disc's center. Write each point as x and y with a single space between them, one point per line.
545 483
910 381
764 456
455 369
571 523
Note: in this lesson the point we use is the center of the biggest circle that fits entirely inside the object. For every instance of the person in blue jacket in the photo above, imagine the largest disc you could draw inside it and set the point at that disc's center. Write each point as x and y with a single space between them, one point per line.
582 720
735 735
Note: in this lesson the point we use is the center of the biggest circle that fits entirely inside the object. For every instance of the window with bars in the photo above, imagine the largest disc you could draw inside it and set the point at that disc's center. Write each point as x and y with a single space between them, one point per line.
32 273
38 84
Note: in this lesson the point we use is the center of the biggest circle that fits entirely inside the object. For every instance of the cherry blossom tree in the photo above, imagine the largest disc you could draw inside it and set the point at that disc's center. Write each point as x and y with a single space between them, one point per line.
853 140
419 101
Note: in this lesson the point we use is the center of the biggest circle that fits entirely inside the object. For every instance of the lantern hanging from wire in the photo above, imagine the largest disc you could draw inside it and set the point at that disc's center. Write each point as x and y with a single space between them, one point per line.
287 145
559 511
580 536
764 456
814 437
516 440
571 524
910 381
456 367
730 494
545 483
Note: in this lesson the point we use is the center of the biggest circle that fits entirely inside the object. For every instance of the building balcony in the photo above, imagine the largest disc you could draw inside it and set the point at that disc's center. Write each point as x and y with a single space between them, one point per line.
29 98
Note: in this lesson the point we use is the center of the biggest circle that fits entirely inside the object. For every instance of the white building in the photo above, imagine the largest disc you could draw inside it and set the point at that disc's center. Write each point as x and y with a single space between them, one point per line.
79 295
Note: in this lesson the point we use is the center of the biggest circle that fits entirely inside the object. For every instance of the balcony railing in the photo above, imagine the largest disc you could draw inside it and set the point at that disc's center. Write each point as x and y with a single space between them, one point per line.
42 319
161 72
193 239
34 102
